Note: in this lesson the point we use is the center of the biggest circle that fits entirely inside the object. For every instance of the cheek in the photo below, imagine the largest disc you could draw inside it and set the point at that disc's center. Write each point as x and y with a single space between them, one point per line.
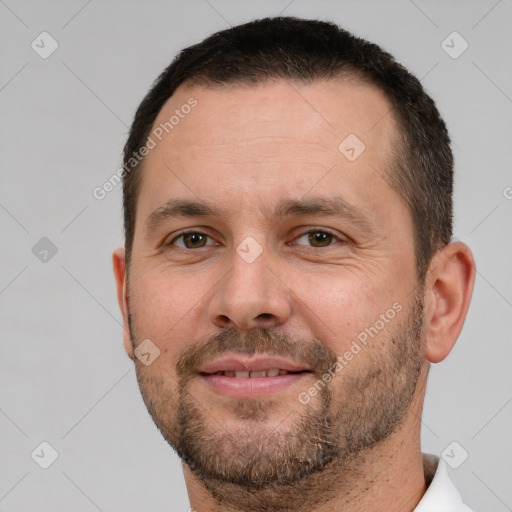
341 308
163 307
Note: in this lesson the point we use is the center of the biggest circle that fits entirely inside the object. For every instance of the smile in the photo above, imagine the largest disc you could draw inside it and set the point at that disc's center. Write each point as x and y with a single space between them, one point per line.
243 374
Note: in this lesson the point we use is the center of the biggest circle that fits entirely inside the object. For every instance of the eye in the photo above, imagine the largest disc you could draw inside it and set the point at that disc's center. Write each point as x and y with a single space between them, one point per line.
317 238
190 240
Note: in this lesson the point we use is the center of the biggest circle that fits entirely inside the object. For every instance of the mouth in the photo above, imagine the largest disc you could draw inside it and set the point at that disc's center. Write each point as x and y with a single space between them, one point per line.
244 374
252 377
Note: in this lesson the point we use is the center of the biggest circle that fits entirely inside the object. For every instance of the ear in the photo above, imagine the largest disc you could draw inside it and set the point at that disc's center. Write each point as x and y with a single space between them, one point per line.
449 286
119 264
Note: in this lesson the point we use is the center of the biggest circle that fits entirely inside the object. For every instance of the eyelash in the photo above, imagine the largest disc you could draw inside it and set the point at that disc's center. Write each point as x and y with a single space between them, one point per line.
194 231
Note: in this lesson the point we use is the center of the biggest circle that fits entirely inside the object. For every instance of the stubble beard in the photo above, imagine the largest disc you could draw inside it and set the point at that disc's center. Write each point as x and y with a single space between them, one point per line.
251 467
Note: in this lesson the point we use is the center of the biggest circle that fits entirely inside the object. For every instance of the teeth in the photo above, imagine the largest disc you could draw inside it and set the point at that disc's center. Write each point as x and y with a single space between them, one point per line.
273 372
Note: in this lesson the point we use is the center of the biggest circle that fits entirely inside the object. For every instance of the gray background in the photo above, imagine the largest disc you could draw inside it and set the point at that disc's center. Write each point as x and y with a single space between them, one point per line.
65 378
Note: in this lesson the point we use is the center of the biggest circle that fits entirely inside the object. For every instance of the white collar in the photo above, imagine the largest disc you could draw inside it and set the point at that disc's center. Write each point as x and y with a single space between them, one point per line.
441 495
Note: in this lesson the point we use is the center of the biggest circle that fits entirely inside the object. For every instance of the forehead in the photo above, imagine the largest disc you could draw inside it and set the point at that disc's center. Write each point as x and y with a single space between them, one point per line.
312 114
269 141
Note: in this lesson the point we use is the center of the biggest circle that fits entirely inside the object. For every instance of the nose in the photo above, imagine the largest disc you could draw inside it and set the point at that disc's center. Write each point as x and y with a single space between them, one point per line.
251 295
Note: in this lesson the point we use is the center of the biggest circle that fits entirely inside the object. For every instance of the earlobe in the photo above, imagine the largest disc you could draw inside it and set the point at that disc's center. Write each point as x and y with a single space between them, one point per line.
448 293
119 265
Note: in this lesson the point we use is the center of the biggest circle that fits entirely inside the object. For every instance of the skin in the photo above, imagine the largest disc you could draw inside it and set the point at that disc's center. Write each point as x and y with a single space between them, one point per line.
245 149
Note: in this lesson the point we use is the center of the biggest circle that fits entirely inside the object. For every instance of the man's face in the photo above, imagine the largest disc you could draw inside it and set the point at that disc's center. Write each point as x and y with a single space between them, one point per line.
302 254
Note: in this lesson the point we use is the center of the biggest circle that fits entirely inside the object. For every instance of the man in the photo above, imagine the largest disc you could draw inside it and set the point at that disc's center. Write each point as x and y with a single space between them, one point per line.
288 274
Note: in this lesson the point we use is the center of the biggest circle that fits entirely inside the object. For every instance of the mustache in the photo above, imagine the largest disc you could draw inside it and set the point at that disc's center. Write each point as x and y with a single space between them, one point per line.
312 353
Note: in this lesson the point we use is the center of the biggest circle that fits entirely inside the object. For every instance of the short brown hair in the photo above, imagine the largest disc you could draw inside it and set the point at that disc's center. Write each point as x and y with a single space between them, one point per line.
307 50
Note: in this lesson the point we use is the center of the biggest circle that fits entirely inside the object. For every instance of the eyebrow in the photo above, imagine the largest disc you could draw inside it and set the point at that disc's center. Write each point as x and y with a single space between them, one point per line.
179 208
325 206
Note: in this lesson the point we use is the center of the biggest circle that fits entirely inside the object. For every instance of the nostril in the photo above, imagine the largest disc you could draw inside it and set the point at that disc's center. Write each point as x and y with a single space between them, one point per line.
265 316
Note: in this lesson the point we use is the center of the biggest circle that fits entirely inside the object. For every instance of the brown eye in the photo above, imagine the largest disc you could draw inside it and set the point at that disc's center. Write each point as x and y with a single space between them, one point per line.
192 240
317 238
320 239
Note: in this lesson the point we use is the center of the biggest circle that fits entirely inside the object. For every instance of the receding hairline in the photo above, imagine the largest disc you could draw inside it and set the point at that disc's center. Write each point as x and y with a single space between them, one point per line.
346 76
343 76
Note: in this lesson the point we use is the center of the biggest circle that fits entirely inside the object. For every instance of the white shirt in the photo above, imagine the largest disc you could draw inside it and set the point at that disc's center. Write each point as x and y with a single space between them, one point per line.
441 495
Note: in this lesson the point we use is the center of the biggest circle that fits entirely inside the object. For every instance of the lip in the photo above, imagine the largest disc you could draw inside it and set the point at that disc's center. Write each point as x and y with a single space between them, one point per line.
252 387
251 364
